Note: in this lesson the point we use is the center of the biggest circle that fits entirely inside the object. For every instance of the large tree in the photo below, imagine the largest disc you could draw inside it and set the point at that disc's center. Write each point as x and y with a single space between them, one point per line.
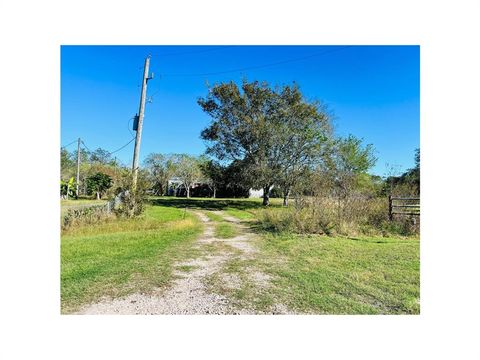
302 137
271 133
241 128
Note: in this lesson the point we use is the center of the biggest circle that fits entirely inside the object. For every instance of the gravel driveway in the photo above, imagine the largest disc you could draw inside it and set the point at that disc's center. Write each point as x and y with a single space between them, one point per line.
189 293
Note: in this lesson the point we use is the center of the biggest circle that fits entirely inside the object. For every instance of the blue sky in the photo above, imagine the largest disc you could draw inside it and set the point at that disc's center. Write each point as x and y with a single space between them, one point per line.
373 91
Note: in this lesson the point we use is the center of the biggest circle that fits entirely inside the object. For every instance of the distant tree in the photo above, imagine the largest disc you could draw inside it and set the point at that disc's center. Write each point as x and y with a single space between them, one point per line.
348 161
67 164
160 170
187 169
408 183
98 184
213 175
101 156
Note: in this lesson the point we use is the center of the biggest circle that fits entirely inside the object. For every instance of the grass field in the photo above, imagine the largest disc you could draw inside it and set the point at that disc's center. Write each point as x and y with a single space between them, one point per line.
309 273
325 275
243 209
124 256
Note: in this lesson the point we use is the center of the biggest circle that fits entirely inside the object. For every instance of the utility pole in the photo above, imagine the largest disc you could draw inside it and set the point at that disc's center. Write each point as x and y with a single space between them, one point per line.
78 165
139 122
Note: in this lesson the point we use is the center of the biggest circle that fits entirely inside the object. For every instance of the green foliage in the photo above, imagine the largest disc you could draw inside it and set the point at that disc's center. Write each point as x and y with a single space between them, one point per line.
160 169
273 135
329 216
67 188
101 156
407 184
188 170
98 183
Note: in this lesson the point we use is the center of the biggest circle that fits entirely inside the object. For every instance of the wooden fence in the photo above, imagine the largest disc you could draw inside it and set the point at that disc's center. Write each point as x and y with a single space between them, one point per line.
404 206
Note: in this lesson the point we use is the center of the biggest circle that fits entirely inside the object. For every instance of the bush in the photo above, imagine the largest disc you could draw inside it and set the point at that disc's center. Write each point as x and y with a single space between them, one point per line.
307 220
130 202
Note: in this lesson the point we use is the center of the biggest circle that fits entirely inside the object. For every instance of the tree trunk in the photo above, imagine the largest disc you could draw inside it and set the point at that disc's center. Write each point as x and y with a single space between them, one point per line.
266 199
188 192
285 197
214 193
98 195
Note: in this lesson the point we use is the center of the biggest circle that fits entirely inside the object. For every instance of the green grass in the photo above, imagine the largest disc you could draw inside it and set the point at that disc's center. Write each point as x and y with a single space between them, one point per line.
241 214
312 274
243 209
213 217
225 230
324 275
124 256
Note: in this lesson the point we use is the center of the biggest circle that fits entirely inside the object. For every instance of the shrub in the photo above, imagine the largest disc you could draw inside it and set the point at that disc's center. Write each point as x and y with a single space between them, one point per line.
130 202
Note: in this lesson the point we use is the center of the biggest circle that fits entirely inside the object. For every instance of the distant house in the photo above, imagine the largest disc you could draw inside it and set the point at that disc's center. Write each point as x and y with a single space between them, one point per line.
174 185
176 188
253 193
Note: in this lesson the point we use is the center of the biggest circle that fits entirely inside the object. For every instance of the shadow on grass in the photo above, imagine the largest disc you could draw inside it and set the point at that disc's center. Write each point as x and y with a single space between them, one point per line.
207 204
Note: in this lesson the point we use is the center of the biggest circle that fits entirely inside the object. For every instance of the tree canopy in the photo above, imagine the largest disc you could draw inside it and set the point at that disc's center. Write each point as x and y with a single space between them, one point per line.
272 133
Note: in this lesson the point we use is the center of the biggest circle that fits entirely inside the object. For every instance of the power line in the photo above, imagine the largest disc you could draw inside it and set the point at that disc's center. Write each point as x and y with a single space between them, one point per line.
113 152
263 65
69 144
217 48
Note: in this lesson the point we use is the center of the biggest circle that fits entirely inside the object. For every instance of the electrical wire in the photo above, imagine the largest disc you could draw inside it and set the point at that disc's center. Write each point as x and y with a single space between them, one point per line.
64 146
217 48
261 66
128 127
113 152
86 146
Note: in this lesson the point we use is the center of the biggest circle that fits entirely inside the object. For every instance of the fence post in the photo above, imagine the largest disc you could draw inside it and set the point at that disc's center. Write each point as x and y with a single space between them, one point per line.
390 215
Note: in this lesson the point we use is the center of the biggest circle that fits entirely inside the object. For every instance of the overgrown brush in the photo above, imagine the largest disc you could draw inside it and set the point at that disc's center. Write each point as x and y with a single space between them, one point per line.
330 216
86 216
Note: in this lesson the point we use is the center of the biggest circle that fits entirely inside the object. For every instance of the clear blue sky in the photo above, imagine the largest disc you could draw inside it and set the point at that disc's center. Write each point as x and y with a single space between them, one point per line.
374 92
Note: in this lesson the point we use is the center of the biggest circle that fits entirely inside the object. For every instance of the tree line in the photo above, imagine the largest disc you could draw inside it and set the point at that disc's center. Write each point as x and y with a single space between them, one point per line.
260 137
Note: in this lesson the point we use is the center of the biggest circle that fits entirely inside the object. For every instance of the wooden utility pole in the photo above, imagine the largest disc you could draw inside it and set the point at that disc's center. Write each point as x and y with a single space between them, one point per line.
141 112
78 165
